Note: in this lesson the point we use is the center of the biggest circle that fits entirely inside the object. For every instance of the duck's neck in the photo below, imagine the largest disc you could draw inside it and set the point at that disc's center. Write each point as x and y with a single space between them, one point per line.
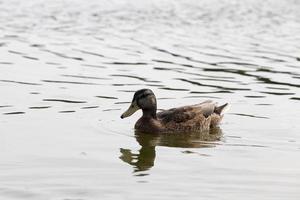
149 113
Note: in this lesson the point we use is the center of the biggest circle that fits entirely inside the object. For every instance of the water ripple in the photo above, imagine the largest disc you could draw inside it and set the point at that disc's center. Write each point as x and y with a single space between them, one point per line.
64 100
69 82
214 86
248 115
14 113
19 82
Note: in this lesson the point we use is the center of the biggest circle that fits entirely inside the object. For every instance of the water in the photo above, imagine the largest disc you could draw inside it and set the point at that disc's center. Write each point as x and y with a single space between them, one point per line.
68 69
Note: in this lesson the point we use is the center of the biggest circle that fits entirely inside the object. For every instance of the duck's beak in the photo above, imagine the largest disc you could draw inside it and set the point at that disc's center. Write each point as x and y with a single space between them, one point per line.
132 109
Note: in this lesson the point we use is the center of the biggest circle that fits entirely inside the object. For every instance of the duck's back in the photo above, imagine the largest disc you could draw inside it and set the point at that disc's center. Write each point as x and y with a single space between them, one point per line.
199 117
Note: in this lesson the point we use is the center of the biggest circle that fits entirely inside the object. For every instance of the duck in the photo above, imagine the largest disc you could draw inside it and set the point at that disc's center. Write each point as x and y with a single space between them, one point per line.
186 119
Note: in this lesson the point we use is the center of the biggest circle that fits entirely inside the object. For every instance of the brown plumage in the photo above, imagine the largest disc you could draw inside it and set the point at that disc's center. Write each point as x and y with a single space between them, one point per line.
193 118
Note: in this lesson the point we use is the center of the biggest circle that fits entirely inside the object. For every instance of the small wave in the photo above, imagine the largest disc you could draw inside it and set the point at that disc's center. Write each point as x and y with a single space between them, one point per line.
20 82
64 101
89 107
85 77
211 92
95 66
105 110
30 58
254 96
127 63
135 77
16 52
106 97
248 115
6 63
208 85
123 102
90 53
39 107
6 106
67 111
247 145
279 93
182 56
52 63
63 55
14 113
69 82
174 89
295 98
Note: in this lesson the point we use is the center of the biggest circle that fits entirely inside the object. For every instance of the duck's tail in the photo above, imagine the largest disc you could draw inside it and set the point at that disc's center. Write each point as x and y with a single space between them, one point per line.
220 110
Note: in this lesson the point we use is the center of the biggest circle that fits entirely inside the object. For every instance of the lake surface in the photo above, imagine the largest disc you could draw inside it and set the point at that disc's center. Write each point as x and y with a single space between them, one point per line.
68 69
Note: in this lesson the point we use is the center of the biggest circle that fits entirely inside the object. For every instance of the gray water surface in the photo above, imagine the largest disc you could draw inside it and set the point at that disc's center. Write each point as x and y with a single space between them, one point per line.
68 69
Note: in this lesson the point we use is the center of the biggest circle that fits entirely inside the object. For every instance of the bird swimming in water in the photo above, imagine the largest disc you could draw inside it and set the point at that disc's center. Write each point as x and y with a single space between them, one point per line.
193 118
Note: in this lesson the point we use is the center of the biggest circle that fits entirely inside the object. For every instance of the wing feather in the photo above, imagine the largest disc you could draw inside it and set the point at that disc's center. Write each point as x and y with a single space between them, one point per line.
184 114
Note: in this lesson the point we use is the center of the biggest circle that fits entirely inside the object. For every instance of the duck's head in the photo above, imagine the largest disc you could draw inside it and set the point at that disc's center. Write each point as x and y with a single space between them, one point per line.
143 99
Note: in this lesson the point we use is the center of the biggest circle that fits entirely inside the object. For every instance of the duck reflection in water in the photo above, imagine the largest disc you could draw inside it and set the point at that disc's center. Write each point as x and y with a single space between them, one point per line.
145 158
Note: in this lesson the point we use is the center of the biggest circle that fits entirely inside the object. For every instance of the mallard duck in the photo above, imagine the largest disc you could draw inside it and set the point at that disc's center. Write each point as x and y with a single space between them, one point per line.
192 118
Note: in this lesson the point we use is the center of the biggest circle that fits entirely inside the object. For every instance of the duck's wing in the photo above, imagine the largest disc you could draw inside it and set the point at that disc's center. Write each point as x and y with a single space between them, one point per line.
187 113
197 117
